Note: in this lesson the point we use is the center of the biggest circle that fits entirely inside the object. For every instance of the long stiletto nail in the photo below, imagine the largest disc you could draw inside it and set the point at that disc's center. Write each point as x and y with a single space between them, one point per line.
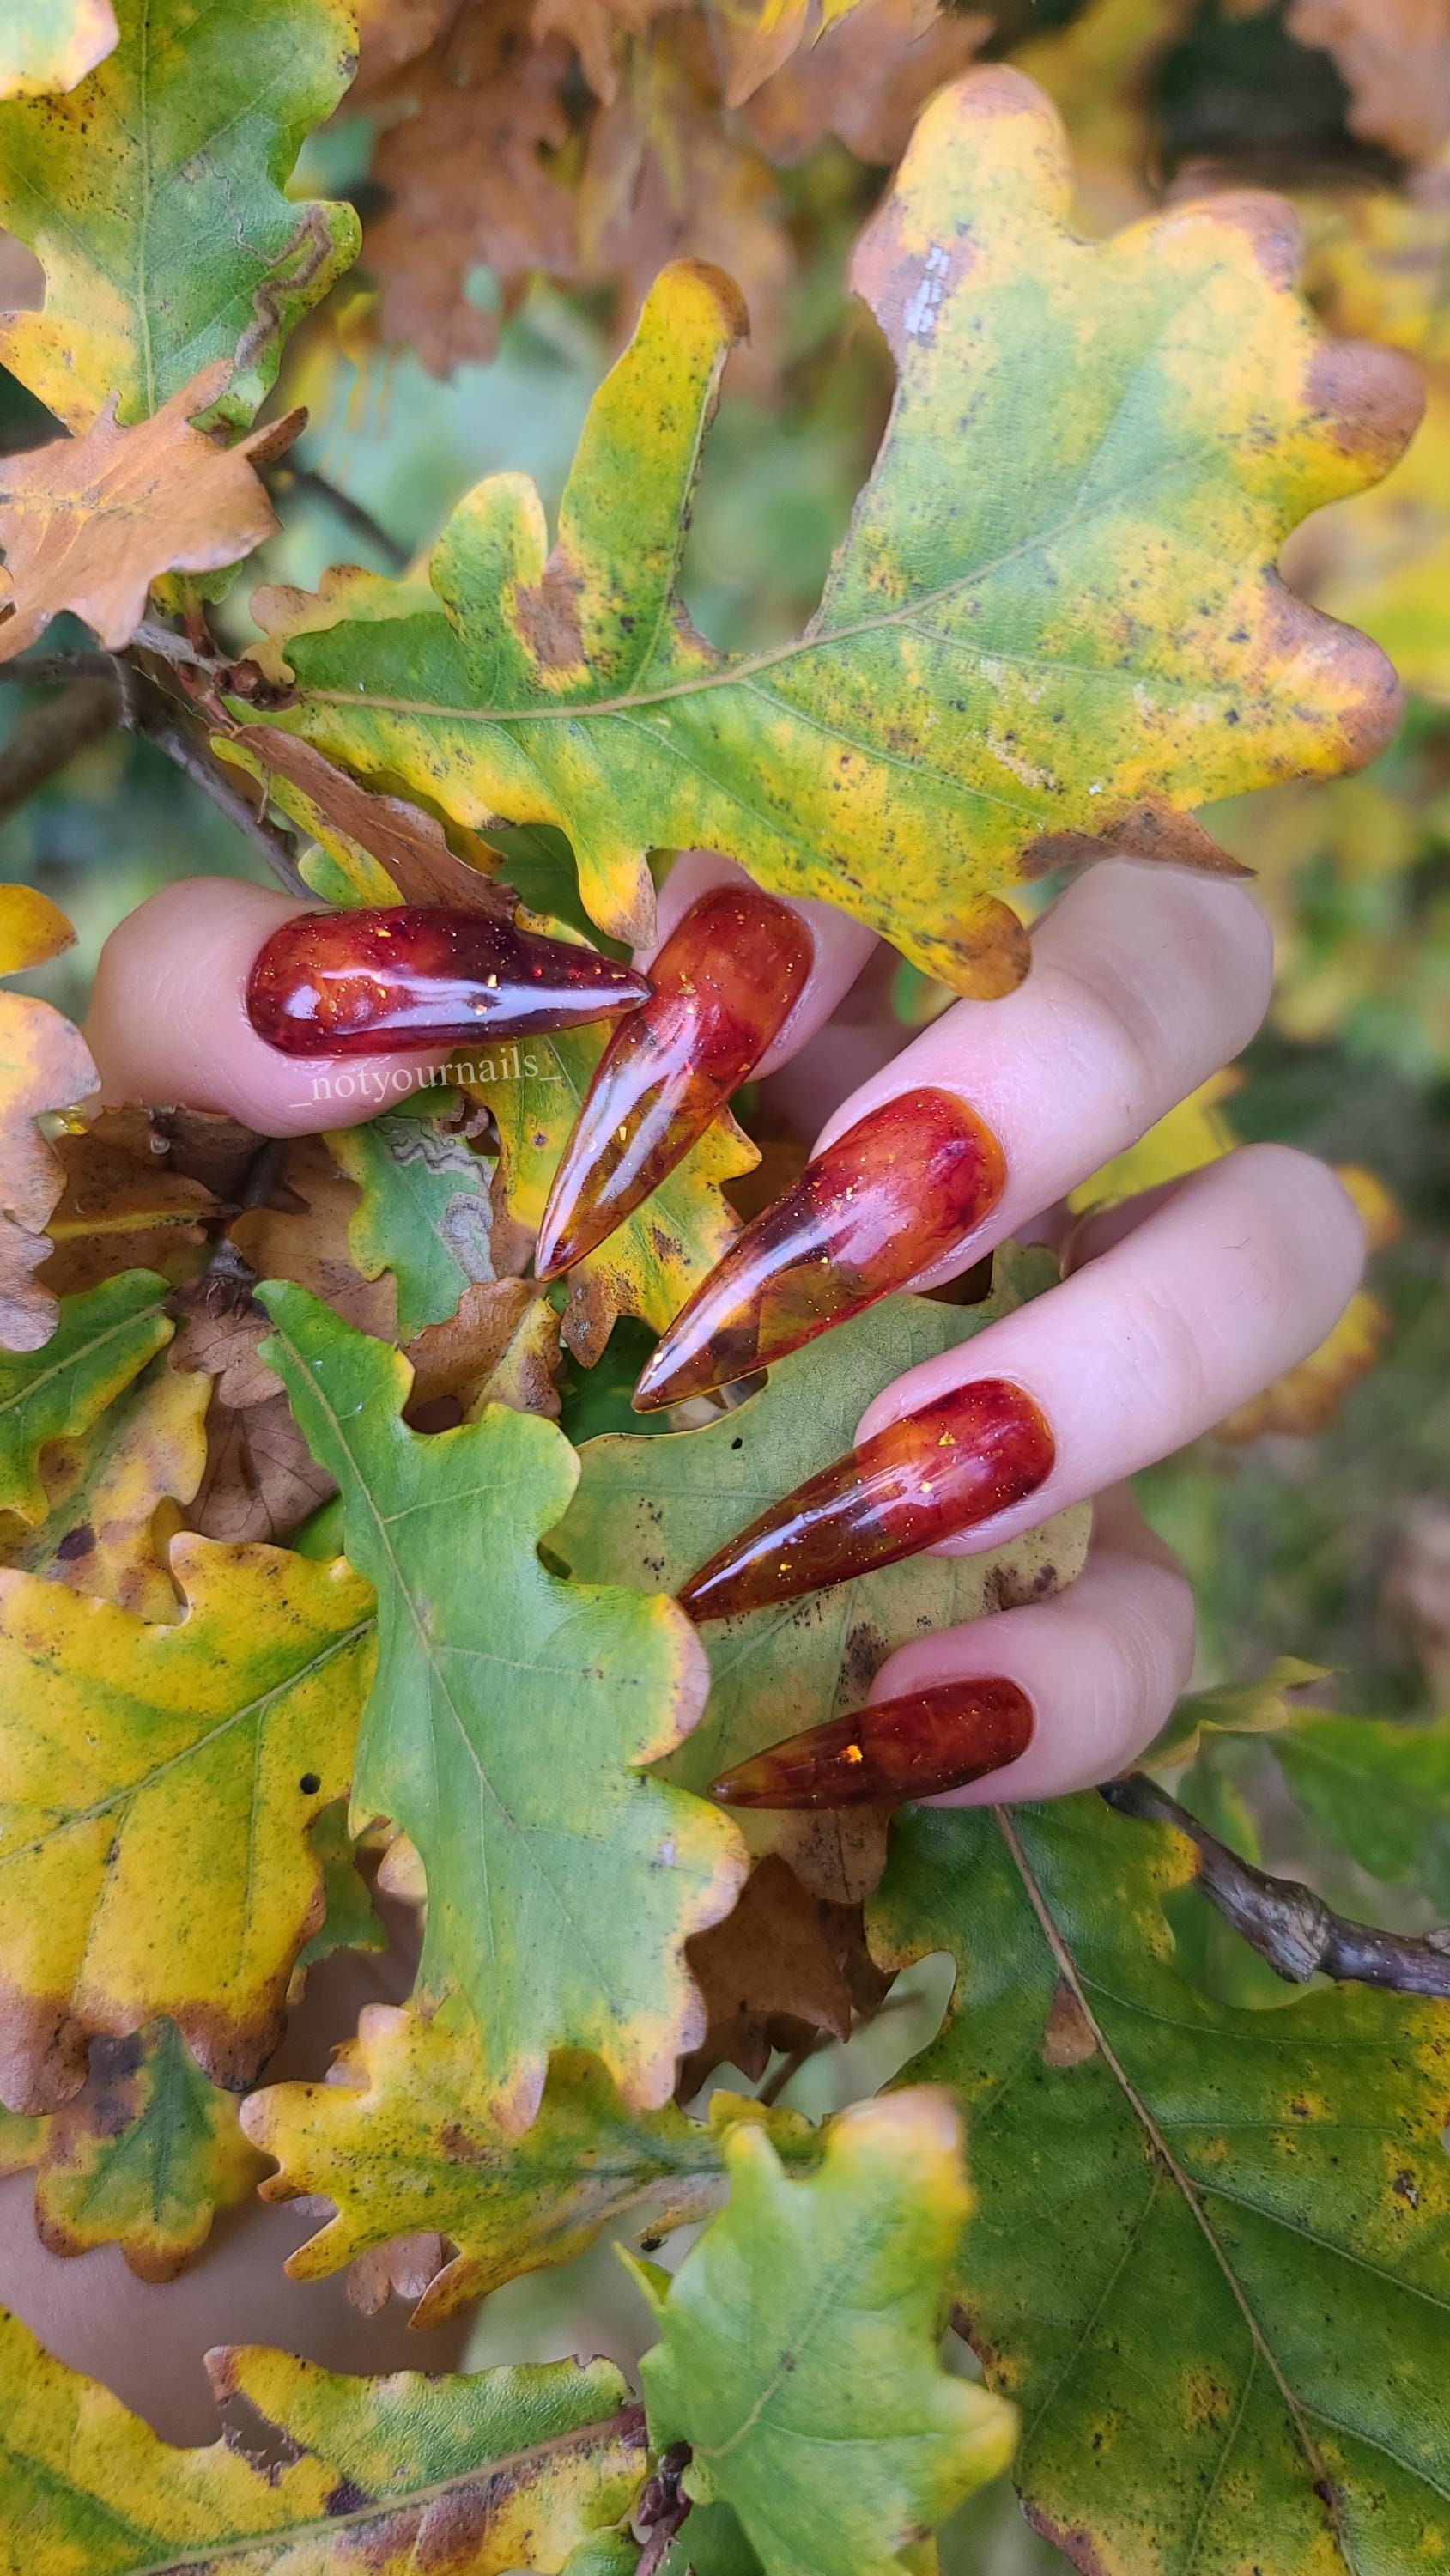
724 983
412 975
889 1199
975 1452
918 1746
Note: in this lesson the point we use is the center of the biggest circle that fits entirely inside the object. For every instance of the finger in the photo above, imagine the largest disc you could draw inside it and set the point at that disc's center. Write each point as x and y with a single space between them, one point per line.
1028 1703
168 1019
1236 1279
1142 984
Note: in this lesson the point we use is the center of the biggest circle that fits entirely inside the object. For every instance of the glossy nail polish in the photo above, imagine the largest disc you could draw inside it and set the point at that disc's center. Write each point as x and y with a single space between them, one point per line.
412 975
974 1452
918 1746
724 983
889 1199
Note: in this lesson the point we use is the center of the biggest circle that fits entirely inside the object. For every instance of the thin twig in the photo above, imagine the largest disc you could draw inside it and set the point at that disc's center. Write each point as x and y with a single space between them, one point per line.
662 2508
43 667
790 2067
156 723
1285 1921
353 514
54 735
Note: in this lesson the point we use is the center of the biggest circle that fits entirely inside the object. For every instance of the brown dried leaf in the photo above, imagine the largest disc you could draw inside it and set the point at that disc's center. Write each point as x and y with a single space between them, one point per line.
769 1960
500 1346
261 1479
1394 56
390 34
221 1341
467 184
89 523
308 1241
409 844
598 30
865 80
125 1205
113 1496
45 1064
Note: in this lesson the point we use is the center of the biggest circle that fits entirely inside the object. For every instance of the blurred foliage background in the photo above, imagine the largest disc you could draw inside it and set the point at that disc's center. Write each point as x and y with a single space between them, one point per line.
569 148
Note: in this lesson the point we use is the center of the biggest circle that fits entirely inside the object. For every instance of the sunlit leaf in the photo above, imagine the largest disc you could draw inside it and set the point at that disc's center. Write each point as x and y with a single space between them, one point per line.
507 1733
102 1341
48 45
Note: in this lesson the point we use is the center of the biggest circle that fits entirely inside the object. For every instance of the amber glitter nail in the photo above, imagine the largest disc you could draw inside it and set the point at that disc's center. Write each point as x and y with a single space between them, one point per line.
917 1746
724 984
975 1452
888 1200
415 975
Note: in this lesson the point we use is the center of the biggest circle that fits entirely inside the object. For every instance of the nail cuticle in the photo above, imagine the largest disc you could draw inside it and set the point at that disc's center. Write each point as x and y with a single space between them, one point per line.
917 1744
895 1197
979 1450
411 976
724 984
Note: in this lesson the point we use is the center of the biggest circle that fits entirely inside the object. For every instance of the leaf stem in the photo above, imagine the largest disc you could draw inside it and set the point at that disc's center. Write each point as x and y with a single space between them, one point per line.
1291 1927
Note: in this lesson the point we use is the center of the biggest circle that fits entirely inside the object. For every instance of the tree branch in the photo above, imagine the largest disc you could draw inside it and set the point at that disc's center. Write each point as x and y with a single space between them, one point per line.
353 514
153 718
54 735
1285 1921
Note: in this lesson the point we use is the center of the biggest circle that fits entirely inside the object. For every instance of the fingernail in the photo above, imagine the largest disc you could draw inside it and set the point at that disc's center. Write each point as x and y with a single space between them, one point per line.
889 1199
416 975
918 1746
926 1477
723 985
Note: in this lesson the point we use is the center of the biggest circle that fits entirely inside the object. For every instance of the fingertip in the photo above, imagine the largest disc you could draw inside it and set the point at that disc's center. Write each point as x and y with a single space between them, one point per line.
168 1020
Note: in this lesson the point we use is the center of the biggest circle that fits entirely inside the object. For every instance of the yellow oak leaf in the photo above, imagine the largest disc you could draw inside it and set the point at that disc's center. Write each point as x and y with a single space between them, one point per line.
45 1065
1052 627
157 1786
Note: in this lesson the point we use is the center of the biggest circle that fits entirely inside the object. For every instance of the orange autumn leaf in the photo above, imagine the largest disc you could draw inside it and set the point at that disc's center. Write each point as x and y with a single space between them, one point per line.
89 523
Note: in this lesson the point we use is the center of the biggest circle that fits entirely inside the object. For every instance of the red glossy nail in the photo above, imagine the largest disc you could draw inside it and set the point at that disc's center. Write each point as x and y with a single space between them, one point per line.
918 1746
973 1453
349 983
724 984
889 1199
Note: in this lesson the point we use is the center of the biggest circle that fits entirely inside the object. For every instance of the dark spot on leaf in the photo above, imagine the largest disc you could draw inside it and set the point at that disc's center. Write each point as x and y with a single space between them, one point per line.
76 1542
345 2497
310 1783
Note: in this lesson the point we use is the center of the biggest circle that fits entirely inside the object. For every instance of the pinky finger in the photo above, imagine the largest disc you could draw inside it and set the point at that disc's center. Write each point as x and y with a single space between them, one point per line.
1029 1703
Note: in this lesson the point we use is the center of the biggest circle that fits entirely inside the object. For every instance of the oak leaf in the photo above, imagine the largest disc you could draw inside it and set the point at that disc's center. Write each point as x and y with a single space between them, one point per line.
424 1210
48 45
1210 2258
1022 657
865 79
768 1975
497 2469
32 929
102 1341
173 246
650 1508
400 2141
500 1347
89 523
156 1789
1394 59
142 2157
799 2346
509 1727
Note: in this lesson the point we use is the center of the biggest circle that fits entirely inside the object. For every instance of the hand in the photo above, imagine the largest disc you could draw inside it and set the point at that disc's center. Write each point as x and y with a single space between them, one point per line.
1176 1309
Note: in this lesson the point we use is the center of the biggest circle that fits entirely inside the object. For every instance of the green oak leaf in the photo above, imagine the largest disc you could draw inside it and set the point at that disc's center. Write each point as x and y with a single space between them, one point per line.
348 1921
509 1725
1210 2258
155 195
103 1341
491 2471
651 1508
1053 625
405 2145
799 2346
1379 1791
425 1211
143 2157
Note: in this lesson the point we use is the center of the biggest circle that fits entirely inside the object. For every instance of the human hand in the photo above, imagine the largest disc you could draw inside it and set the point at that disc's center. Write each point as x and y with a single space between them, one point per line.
1175 1309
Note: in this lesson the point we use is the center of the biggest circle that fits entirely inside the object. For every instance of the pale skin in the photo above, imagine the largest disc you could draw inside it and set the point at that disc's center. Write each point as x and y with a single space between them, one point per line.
1175 1310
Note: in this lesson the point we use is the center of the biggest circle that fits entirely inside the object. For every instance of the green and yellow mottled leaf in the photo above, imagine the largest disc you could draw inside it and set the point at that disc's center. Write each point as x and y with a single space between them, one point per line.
471 2476
508 1730
1052 626
1210 2258
113 1494
45 1065
659 1255
348 1920
143 2157
652 1507
424 1212
156 1789
400 2140
154 193
103 1340
799 2347
51 44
